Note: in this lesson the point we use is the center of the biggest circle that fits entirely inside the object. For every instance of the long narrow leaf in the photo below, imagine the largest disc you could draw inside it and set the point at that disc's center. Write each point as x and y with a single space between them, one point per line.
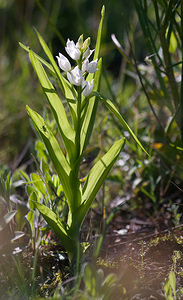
90 111
97 176
67 89
43 61
99 34
55 223
91 108
113 109
98 42
66 86
58 159
56 105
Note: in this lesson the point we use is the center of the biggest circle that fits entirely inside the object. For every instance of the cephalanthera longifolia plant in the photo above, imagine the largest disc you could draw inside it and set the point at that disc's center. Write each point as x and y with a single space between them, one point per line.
79 88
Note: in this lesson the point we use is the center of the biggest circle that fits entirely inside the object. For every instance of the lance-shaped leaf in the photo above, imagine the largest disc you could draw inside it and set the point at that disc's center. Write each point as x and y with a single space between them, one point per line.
96 178
42 60
57 157
56 105
99 34
68 90
66 87
90 109
31 214
97 47
113 109
89 112
55 223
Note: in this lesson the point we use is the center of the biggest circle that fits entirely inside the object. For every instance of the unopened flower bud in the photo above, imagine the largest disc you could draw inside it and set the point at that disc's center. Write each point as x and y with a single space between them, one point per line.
86 44
80 42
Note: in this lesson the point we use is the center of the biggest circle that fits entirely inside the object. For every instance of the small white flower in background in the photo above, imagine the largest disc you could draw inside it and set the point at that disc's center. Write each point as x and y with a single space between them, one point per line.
115 41
81 53
63 62
72 50
75 76
87 87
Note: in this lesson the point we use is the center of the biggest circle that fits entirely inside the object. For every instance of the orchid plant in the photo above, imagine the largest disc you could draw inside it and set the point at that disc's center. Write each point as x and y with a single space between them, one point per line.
79 85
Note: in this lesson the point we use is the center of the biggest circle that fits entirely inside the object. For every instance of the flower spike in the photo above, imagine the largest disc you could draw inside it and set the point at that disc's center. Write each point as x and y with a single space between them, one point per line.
81 53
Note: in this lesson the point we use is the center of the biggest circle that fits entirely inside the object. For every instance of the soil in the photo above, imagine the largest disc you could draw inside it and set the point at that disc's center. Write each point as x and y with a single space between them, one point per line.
141 257
143 260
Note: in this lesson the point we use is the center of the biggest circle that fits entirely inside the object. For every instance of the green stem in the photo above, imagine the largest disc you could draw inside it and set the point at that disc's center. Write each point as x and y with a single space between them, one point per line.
74 175
75 256
78 126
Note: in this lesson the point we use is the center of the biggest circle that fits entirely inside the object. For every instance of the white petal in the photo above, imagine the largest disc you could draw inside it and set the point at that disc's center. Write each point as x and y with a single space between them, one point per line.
88 87
69 77
88 53
85 65
63 62
72 50
75 76
92 66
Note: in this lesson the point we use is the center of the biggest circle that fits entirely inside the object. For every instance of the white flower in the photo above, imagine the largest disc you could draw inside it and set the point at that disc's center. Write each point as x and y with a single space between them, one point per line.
72 50
87 87
75 76
90 67
63 62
